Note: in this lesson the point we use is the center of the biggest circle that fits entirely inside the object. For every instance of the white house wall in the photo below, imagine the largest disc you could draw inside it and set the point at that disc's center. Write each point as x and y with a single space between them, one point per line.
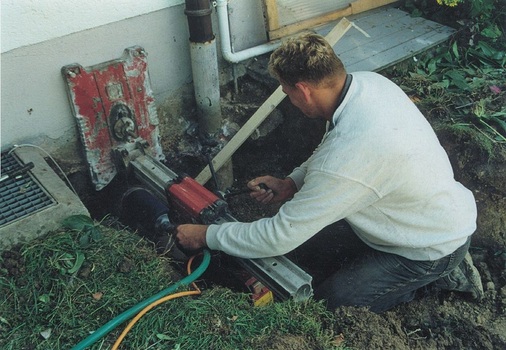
34 100
40 37
27 22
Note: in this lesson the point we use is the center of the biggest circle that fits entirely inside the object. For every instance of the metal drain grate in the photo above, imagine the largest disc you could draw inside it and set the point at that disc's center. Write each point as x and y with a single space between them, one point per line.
20 196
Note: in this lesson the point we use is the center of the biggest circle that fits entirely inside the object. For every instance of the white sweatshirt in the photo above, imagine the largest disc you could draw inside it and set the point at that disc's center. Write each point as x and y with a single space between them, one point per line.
382 169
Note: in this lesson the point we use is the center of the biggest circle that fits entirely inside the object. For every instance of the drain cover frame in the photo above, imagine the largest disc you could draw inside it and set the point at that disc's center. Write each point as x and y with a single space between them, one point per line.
47 219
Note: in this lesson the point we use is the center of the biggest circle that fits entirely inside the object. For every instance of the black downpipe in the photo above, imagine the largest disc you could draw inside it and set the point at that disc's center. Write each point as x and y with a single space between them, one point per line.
199 20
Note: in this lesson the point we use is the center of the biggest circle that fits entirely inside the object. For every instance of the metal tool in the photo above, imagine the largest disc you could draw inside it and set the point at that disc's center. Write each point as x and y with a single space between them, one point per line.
199 205
236 192
116 115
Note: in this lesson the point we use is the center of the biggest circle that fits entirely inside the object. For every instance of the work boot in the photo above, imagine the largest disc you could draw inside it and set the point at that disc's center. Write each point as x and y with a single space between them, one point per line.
464 278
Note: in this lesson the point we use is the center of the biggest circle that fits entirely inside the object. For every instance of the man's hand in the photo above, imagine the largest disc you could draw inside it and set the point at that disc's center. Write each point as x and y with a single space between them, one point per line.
191 237
279 190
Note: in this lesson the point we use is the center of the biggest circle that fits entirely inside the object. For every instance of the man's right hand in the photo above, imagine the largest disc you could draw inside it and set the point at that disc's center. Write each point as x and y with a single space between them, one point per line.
279 190
191 237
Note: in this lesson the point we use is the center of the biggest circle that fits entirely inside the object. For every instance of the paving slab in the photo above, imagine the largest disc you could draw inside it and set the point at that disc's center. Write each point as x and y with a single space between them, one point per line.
63 202
393 36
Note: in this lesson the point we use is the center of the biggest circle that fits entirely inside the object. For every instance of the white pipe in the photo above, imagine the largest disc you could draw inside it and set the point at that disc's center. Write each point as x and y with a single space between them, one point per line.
206 85
226 45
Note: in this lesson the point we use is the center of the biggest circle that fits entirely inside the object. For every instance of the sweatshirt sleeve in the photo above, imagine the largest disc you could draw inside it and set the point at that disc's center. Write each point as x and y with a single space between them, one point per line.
322 200
299 173
297 176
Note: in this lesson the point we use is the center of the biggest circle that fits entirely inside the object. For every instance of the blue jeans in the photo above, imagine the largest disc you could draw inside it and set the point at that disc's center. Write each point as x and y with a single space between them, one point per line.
382 280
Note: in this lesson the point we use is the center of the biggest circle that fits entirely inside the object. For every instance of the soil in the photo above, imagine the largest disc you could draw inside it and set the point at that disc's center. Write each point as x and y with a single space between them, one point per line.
436 319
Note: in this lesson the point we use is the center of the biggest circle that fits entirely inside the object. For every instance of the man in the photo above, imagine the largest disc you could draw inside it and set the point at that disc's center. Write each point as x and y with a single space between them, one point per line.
380 167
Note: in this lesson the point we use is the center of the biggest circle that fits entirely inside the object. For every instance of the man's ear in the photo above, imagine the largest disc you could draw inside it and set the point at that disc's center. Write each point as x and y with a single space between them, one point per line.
305 89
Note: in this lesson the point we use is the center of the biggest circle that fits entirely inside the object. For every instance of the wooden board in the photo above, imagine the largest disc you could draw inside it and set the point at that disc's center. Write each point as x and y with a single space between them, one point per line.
271 12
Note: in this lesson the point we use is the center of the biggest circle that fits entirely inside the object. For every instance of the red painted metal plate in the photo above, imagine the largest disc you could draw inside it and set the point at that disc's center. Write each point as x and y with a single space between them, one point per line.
103 98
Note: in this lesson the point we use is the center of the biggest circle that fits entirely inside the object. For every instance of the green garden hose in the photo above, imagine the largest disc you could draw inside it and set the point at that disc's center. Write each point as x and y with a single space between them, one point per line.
126 315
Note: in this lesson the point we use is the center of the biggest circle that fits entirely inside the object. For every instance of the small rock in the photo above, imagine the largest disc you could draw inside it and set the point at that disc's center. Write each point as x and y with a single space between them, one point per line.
490 286
480 319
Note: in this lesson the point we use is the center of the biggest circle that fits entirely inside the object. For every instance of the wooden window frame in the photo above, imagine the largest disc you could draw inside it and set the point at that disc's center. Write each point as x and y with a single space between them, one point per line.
276 31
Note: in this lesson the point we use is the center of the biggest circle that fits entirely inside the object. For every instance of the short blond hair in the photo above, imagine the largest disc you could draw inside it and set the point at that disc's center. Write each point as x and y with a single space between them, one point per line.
308 58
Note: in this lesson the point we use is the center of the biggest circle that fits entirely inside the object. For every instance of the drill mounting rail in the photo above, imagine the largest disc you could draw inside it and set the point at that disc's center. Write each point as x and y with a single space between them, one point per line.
281 275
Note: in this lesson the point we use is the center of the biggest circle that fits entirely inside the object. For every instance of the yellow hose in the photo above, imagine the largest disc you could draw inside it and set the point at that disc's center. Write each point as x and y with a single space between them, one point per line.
155 303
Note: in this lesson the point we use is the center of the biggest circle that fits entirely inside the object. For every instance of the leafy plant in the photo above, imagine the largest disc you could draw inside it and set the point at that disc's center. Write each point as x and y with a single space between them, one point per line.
85 225
465 78
450 3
